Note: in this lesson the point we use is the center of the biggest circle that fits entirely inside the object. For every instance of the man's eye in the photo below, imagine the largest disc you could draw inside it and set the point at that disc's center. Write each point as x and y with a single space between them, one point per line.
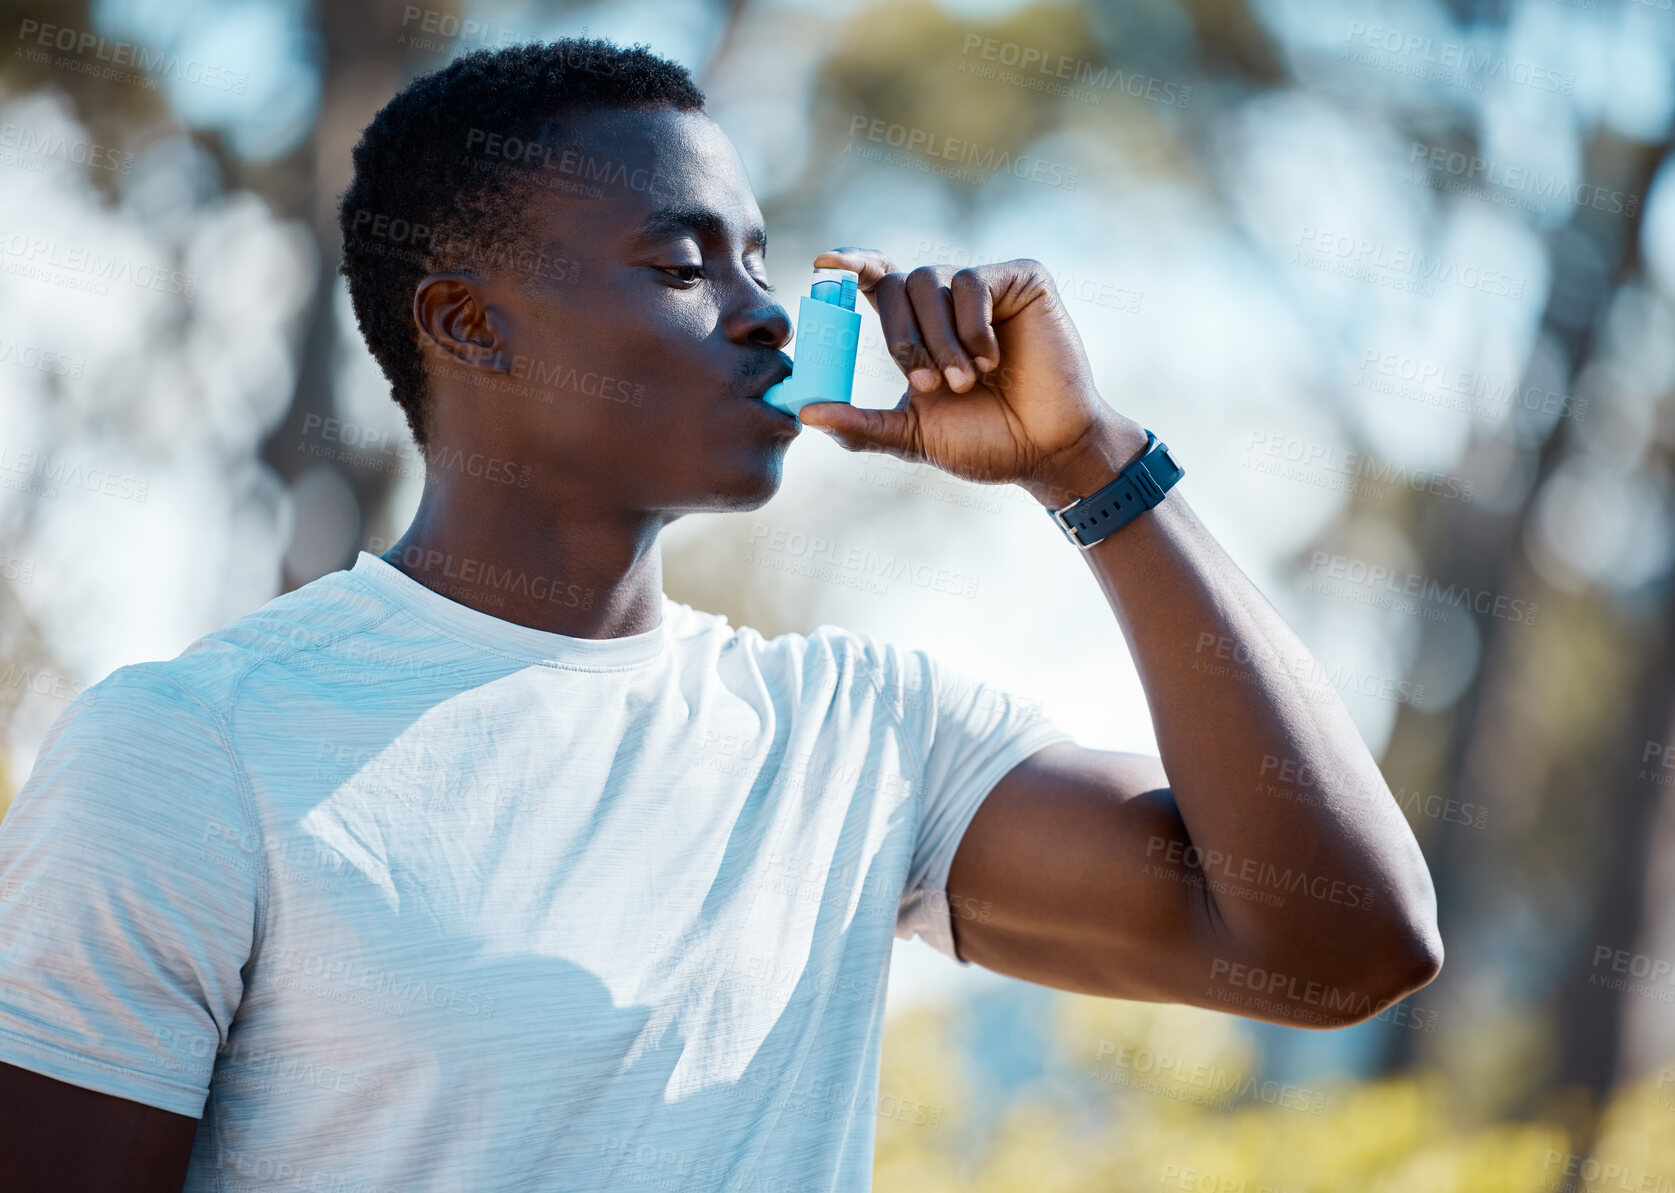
696 271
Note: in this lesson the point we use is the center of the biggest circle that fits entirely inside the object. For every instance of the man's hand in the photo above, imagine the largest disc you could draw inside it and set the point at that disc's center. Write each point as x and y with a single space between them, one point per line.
1091 861
999 386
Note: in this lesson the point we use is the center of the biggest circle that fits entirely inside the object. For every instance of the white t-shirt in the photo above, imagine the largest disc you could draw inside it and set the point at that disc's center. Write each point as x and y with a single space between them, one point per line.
398 895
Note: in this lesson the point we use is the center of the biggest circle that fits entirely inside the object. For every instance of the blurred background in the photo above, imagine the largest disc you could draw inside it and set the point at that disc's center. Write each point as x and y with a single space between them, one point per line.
1396 282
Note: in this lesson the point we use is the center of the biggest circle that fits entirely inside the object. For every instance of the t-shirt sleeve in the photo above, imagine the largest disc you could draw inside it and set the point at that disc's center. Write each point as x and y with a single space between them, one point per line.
969 735
129 889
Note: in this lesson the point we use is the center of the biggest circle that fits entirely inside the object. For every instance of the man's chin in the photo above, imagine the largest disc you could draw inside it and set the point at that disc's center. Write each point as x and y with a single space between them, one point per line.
739 493
754 492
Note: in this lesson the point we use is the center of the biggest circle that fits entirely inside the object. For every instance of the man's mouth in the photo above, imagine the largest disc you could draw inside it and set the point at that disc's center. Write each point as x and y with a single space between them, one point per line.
773 378
758 393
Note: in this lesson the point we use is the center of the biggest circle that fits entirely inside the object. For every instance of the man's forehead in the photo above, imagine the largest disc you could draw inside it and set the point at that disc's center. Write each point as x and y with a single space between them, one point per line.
649 175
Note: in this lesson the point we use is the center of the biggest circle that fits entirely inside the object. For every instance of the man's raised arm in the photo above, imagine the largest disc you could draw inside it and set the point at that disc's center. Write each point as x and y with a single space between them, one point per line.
1260 865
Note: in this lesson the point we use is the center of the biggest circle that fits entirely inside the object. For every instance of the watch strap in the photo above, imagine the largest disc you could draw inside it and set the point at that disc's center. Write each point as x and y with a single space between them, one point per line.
1136 489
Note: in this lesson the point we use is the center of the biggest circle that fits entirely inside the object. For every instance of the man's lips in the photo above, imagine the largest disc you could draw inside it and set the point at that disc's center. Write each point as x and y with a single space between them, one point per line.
772 378
790 420
758 391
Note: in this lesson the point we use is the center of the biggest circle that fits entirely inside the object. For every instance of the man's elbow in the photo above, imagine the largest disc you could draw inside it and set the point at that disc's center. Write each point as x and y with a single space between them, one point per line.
1392 963
1410 962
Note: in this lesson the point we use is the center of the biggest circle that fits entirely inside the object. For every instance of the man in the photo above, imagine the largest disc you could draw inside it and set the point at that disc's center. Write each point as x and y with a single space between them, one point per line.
484 865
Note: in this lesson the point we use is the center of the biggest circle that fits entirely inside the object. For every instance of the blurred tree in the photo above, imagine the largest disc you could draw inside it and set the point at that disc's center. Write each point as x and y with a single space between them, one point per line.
1538 737
362 68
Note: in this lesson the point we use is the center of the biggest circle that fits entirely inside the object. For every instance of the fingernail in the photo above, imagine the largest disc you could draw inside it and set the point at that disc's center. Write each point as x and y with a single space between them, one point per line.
984 364
956 376
923 378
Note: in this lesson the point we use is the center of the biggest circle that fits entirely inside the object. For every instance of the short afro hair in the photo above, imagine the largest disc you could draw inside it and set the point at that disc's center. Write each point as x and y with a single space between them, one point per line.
436 190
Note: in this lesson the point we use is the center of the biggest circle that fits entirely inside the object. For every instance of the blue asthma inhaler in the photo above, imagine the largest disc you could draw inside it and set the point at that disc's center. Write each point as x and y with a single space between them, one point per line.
828 341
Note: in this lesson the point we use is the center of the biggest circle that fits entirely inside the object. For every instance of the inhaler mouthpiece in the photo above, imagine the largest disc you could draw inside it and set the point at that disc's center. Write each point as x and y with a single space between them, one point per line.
828 339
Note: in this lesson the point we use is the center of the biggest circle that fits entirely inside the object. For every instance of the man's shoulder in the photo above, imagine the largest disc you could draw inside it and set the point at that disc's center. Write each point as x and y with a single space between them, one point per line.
887 664
203 680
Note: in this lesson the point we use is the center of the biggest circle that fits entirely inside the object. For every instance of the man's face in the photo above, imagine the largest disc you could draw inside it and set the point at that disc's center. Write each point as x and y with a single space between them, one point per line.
642 338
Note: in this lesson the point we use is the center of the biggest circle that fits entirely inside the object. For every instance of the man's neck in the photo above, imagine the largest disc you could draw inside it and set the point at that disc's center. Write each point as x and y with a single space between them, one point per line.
584 574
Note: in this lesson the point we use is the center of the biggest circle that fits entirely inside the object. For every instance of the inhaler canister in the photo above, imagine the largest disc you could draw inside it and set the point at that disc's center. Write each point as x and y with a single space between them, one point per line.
828 341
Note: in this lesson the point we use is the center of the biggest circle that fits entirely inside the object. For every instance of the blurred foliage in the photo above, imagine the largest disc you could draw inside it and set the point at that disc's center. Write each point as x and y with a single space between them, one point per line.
1082 1133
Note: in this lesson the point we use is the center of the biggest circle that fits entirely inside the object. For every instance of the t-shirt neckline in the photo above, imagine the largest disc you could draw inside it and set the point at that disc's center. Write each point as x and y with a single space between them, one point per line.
502 636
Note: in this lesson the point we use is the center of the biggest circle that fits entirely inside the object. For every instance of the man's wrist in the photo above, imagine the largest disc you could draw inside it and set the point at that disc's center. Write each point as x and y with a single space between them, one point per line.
1090 464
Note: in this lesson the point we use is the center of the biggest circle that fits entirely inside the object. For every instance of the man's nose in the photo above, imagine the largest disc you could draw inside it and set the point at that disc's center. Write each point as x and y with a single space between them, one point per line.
764 323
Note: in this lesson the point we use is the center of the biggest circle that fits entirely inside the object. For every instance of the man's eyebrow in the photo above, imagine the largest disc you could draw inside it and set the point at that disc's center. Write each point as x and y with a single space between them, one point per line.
669 221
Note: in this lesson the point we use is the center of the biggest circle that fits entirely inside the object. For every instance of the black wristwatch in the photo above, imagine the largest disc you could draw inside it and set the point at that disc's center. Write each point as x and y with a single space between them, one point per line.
1137 489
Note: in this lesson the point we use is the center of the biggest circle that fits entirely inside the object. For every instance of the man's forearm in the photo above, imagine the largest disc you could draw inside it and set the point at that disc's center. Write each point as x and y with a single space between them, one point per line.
1270 776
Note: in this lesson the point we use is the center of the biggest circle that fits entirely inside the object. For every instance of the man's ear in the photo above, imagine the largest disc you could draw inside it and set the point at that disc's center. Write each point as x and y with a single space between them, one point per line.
455 322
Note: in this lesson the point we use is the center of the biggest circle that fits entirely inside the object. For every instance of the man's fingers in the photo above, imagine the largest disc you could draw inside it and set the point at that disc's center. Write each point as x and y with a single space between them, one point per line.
902 332
870 265
861 428
934 330
973 318
879 280
933 308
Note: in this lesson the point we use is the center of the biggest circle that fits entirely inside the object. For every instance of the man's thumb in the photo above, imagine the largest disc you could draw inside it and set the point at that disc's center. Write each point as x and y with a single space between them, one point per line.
858 428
